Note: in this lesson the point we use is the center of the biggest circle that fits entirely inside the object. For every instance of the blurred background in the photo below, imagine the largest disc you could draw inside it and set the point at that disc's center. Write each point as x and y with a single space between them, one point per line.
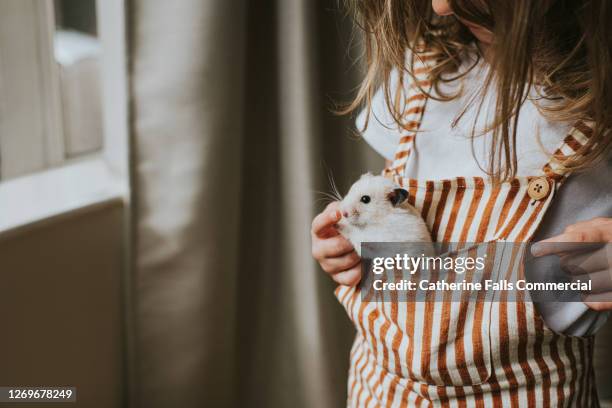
160 164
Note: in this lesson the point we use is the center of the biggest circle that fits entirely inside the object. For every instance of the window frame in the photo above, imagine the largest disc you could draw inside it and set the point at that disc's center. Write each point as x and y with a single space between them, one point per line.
108 169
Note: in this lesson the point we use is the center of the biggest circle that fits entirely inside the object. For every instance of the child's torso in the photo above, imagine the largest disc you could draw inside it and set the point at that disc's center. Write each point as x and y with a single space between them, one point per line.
445 353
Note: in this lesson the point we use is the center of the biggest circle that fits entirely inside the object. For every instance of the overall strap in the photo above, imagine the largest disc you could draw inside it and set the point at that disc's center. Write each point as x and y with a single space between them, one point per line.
416 98
556 168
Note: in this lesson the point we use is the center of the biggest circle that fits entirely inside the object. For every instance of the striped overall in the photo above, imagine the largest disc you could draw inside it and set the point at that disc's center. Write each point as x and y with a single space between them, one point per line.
467 354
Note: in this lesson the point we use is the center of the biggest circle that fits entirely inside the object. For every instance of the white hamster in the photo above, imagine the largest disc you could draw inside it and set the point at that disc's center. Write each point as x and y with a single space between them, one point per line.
377 210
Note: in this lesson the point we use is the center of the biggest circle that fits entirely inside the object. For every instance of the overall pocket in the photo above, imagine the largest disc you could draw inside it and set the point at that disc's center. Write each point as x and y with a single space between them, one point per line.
452 343
439 338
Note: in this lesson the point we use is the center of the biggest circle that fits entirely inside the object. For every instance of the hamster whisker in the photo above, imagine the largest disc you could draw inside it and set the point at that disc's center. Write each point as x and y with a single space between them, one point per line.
326 196
335 193
323 200
333 185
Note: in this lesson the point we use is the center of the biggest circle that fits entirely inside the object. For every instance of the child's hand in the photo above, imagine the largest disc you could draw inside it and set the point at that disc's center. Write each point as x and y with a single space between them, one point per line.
585 262
334 253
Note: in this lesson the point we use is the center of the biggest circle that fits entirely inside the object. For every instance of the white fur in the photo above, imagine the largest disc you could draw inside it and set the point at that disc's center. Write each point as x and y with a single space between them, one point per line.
379 220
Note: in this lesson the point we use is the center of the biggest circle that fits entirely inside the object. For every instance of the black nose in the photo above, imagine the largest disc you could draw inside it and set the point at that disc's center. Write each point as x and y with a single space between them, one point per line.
345 214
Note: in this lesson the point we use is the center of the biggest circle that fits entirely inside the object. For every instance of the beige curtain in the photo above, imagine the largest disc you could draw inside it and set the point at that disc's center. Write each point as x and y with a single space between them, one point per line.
232 138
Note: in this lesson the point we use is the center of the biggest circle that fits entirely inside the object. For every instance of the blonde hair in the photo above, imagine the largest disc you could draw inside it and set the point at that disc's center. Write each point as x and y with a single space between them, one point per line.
563 47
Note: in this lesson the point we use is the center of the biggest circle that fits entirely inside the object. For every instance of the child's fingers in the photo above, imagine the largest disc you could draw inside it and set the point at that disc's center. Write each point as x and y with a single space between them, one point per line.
578 263
341 263
324 220
564 243
333 247
600 282
599 306
350 277
584 235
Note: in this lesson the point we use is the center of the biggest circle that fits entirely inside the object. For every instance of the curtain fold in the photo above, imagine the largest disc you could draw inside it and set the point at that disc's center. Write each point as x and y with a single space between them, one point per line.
232 137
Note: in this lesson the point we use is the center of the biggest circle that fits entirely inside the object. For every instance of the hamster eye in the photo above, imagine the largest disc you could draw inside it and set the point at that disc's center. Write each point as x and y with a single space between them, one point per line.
365 199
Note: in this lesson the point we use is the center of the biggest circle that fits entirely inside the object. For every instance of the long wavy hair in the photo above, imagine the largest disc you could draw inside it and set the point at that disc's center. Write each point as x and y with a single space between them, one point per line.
562 47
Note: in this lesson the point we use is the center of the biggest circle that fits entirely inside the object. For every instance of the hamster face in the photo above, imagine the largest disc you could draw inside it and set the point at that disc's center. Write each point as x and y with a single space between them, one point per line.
369 200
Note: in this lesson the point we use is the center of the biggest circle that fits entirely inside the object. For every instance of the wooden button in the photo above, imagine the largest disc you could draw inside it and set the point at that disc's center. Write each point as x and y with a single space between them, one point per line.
538 188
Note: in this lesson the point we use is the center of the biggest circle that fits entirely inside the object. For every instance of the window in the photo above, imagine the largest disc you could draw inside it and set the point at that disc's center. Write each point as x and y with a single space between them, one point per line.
77 53
63 107
51 103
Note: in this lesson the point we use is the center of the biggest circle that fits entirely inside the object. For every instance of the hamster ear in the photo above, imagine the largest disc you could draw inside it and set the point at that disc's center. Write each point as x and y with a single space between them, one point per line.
397 196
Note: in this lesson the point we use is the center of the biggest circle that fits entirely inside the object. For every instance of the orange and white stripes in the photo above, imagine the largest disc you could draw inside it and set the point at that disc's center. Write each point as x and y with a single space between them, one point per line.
470 353
572 143
413 110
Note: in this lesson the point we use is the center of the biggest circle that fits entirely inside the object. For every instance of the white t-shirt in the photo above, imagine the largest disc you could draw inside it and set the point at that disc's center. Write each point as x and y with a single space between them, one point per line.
443 151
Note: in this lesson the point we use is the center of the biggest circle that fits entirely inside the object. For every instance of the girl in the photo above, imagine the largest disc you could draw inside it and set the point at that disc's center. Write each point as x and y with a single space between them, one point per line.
482 109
